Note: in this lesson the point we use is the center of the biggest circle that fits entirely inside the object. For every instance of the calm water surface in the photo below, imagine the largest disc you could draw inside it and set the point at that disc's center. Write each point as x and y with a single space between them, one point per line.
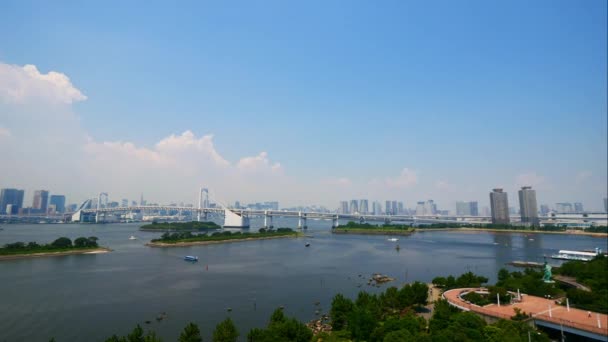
91 297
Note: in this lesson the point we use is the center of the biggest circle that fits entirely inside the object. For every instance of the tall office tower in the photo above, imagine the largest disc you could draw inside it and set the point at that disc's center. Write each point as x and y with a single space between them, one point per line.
59 202
605 204
354 206
363 207
474 208
544 209
394 207
578 207
141 199
527 206
41 200
400 208
563 207
124 202
387 208
343 207
463 209
13 197
420 208
377 208
430 208
499 203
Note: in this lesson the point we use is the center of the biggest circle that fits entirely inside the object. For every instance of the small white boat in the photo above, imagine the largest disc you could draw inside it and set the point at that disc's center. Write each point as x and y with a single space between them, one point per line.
393 239
190 258
132 238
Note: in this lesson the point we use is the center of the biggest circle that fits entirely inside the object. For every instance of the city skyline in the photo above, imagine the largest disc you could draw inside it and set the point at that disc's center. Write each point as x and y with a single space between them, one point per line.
292 118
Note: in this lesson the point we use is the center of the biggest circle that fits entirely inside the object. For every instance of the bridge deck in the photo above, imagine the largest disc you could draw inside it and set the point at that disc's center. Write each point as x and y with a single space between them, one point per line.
539 308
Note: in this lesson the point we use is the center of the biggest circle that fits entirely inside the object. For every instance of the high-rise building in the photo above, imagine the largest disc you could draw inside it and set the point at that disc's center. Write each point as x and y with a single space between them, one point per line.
467 209
343 207
430 208
13 197
41 200
563 207
59 202
377 208
605 204
387 208
485 211
363 207
544 209
527 206
578 207
394 207
420 208
124 202
400 208
499 203
354 206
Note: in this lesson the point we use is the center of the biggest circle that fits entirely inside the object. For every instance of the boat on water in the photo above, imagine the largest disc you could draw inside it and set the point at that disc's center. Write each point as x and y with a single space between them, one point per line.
393 239
190 258
307 244
132 238
576 255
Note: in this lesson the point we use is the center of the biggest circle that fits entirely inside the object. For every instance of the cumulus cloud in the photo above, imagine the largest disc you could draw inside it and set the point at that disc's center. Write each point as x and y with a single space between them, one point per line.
405 179
530 179
582 177
4 133
21 84
257 163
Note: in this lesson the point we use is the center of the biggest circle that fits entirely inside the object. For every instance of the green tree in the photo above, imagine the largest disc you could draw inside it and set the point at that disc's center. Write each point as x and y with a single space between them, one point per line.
361 323
81 242
191 333
62 242
400 336
225 331
341 307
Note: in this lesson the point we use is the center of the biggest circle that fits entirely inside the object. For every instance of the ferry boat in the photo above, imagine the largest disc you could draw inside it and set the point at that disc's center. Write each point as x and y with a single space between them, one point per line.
576 255
393 239
190 258
132 238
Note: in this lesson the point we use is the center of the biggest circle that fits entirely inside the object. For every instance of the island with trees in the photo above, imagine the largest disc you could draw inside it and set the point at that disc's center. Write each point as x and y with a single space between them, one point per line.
370 229
179 239
193 226
61 246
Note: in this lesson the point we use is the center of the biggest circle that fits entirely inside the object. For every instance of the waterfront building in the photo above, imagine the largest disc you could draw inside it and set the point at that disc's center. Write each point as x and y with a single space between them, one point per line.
474 207
124 202
343 207
376 208
499 204
430 208
527 206
564 207
578 207
420 208
544 209
363 207
394 208
41 201
400 208
485 211
387 208
59 202
12 197
463 209
354 206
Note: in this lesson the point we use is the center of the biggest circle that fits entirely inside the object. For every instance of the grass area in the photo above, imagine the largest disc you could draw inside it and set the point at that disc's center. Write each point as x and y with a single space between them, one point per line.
222 236
181 226
370 228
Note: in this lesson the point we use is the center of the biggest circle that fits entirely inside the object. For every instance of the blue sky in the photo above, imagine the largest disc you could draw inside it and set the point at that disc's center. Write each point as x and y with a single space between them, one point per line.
469 94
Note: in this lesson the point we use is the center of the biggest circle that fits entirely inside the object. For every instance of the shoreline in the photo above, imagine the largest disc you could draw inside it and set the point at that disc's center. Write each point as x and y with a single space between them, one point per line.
371 231
98 250
492 230
176 230
202 243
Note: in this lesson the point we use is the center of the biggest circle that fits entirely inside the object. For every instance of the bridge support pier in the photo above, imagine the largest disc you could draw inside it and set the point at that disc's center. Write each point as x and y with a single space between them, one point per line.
267 220
302 221
335 223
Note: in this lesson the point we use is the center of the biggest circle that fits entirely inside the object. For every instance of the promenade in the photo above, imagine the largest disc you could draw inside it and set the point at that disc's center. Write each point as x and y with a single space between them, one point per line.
540 308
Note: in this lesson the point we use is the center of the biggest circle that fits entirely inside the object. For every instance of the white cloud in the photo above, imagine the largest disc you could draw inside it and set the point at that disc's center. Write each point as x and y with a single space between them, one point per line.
582 177
258 163
530 179
405 179
19 85
341 181
4 132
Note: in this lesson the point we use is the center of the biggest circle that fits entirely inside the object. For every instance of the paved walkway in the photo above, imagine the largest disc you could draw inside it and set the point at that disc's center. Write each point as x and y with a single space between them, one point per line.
540 308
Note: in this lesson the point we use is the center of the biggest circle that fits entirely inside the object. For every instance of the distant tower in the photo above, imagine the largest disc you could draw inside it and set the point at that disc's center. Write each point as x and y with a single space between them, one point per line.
500 206
527 206
203 202
354 206
141 199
